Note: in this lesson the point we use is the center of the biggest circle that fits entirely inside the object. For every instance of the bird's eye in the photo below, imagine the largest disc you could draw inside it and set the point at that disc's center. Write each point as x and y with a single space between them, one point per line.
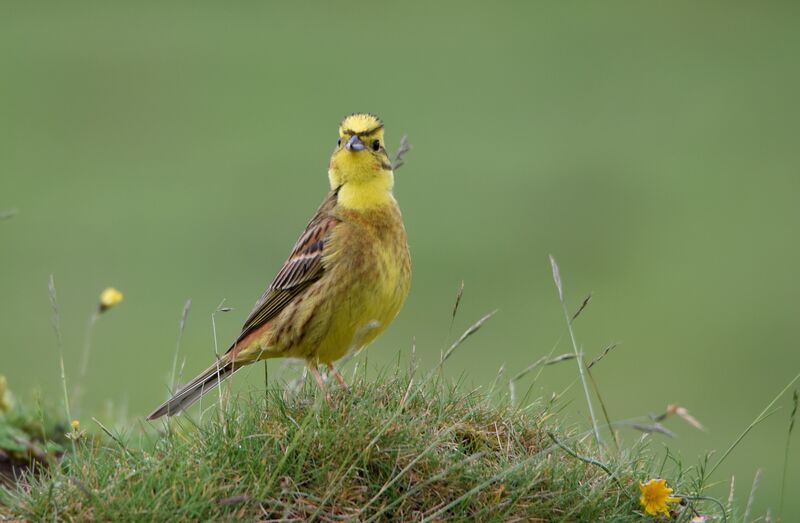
376 145
339 142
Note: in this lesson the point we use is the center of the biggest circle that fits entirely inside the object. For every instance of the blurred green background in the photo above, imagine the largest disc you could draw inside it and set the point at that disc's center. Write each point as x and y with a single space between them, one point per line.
176 150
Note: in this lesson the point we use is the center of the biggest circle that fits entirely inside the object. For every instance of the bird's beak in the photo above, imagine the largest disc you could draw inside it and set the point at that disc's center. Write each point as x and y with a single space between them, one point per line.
354 144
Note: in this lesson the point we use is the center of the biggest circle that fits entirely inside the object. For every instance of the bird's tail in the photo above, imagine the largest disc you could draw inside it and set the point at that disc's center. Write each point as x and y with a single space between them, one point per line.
193 391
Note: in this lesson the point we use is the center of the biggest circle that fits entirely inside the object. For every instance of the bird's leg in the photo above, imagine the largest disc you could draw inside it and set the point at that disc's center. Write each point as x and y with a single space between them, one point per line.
315 371
338 377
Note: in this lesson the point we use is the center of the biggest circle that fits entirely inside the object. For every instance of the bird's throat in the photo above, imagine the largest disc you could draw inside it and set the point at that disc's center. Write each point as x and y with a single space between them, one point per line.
370 194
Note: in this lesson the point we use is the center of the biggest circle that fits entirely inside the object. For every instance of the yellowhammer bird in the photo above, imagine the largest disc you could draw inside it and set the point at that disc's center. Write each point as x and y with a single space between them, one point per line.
345 280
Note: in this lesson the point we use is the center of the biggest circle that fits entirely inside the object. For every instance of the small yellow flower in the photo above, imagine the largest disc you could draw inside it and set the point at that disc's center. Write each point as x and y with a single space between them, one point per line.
75 424
109 297
655 496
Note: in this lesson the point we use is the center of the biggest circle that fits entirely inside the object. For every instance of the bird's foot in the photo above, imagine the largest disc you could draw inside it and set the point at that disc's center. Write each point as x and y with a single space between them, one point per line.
338 377
321 384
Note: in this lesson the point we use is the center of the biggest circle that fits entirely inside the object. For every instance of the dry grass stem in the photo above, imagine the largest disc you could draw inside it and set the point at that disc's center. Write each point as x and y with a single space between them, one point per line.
581 373
402 150
472 329
585 302
174 379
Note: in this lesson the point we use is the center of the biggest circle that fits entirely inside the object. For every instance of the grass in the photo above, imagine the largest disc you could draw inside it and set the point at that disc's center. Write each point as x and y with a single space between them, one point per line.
399 447
389 449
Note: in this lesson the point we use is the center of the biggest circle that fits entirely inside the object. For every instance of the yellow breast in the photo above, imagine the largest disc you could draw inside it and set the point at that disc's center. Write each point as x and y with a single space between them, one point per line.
371 268
366 280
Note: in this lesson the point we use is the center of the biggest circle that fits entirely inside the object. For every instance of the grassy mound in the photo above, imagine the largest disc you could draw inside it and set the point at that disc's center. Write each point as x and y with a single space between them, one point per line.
388 449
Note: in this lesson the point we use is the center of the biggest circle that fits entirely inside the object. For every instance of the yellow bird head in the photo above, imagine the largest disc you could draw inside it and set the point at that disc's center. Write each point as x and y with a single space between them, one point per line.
360 156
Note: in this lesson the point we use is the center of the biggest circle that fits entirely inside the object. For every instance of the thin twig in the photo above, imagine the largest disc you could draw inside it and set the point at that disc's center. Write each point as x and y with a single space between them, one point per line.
586 301
590 461
653 428
602 355
472 329
764 413
181 327
543 362
112 436
56 321
219 308
557 279
459 295
749 507
731 493
792 417
497 377
602 407
412 361
402 150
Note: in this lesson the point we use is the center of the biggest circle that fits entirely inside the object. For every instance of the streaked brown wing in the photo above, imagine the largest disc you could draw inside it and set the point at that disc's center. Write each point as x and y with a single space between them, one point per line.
303 268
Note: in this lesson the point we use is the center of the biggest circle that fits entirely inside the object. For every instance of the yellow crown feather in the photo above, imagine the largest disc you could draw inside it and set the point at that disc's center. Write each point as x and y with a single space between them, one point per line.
360 123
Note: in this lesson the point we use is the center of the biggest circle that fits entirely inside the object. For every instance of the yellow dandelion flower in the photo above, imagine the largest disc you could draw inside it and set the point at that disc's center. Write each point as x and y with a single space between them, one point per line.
655 496
109 298
75 424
